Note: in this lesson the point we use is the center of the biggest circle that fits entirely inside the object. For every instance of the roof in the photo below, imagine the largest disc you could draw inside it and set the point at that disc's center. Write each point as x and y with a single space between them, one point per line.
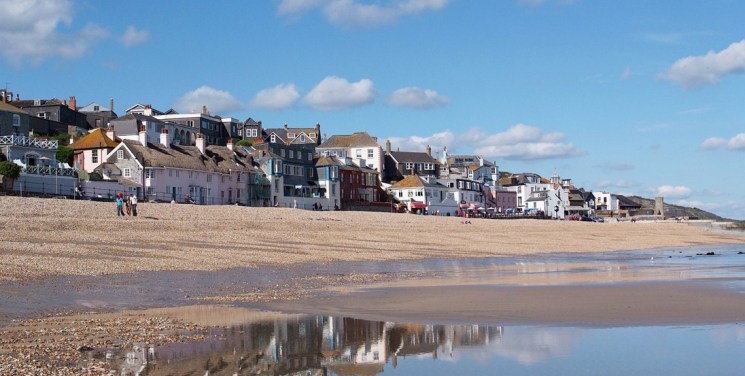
411 181
7 107
412 157
358 139
624 201
215 159
96 139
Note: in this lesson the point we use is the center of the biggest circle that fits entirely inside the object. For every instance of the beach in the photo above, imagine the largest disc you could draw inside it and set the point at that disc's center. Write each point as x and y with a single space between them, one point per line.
53 247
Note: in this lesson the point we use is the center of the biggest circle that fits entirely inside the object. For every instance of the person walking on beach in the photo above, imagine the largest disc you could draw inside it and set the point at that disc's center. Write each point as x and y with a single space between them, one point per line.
119 204
133 204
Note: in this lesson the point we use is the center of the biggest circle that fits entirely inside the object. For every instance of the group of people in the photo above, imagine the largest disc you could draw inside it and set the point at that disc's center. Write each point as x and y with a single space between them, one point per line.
317 206
126 206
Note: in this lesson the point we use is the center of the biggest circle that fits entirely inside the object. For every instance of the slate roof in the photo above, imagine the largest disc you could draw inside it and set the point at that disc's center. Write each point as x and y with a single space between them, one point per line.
625 202
412 157
359 139
414 181
7 107
96 139
216 158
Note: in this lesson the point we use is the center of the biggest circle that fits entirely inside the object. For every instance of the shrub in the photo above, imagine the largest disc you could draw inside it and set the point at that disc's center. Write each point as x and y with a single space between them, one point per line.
10 169
244 143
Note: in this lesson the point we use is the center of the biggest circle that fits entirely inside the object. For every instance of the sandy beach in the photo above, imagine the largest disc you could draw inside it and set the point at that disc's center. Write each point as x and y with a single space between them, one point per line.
45 241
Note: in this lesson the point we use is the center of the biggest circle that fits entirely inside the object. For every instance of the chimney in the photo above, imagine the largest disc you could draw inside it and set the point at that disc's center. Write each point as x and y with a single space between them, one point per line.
73 104
200 143
387 147
429 150
230 143
164 138
111 133
204 110
111 104
143 135
148 110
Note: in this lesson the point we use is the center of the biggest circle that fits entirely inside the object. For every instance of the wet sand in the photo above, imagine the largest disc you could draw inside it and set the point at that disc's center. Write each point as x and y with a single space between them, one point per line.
44 240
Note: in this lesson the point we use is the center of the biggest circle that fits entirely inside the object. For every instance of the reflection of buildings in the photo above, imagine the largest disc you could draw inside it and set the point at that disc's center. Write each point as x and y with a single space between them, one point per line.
311 345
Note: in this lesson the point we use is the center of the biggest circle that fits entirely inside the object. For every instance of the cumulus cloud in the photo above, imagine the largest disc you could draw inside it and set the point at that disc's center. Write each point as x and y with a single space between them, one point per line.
133 37
673 192
736 143
217 101
276 98
349 13
695 71
521 142
335 93
30 30
524 142
417 98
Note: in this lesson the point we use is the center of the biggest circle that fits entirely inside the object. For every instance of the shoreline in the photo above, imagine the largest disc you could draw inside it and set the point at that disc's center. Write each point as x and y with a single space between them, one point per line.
294 261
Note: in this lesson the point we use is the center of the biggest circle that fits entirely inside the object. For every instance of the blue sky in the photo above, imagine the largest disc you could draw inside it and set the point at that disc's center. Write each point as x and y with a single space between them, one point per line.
631 97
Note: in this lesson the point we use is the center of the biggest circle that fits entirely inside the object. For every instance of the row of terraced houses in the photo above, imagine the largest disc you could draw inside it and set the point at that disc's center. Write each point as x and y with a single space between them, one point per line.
166 156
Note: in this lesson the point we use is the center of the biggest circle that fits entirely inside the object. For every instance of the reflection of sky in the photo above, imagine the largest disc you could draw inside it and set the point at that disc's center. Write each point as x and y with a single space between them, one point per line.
689 350
526 345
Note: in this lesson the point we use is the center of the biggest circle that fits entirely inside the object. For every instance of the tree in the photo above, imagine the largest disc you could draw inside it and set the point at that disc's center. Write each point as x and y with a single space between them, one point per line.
10 172
244 143
65 154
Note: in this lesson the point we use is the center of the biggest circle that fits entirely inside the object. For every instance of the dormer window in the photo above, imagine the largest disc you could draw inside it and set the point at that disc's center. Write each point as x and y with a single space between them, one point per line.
302 138
96 108
273 138
312 134
291 135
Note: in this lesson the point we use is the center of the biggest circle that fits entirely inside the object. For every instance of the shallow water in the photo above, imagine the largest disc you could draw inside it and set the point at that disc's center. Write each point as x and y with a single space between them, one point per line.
321 345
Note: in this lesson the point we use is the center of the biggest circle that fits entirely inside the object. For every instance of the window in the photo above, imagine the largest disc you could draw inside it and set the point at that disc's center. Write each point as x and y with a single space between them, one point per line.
176 173
127 173
310 156
94 156
209 178
358 153
98 123
409 165
190 123
291 135
292 154
150 174
282 152
273 138
302 138
370 153
312 134
150 191
120 154
239 180
16 120
427 166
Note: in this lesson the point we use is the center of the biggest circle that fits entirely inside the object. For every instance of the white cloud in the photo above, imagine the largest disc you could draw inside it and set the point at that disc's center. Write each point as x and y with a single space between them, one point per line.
335 93
29 30
694 71
217 101
669 191
348 13
133 37
736 143
521 142
417 98
712 143
276 98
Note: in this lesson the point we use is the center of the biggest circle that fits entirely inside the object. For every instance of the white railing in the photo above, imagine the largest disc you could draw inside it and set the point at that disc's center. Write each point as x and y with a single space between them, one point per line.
47 170
26 141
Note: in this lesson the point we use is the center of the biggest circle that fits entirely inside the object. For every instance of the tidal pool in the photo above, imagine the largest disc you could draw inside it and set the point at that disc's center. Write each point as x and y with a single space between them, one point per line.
323 345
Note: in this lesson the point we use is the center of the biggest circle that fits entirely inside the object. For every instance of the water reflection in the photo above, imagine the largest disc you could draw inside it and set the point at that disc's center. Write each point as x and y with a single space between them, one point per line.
308 345
329 346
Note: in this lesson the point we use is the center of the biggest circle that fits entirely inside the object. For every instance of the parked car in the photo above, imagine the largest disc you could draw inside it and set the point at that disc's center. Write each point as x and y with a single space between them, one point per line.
598 219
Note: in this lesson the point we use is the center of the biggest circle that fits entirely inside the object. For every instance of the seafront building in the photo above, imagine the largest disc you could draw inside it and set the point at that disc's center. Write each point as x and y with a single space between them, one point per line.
173 157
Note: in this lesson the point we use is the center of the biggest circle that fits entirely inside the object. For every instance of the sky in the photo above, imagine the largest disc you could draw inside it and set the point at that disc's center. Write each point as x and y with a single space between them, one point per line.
630 97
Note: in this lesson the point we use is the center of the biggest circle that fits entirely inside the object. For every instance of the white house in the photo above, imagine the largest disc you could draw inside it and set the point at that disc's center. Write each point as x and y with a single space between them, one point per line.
418 194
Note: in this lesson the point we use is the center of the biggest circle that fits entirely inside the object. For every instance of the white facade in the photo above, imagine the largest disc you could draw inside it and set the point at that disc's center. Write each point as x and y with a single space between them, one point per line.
605 201
525 190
